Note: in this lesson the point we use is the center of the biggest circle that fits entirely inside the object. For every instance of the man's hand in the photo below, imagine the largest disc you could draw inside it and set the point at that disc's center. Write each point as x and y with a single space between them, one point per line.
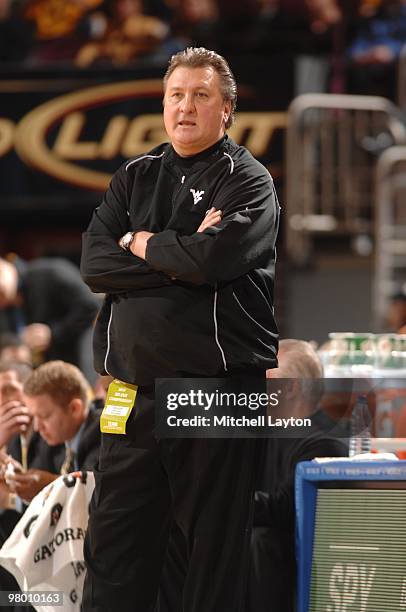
37 336
30 483
9 467
139 244
213 217
14 419
379 55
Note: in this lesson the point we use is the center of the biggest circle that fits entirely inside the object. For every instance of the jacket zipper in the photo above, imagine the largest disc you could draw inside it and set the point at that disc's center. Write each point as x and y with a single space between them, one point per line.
176 193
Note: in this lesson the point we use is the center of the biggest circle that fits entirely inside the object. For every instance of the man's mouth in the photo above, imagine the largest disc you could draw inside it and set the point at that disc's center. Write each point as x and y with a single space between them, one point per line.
186 123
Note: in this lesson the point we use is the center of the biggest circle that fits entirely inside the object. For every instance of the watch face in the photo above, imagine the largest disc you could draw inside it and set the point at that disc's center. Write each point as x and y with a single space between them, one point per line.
126 240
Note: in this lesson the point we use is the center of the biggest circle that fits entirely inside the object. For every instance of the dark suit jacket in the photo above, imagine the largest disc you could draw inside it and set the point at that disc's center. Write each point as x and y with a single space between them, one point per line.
50 458
53 293
89 444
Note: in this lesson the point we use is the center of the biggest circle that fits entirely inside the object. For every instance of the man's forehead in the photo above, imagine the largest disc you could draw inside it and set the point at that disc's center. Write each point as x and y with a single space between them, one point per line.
186 76
42 404
9 376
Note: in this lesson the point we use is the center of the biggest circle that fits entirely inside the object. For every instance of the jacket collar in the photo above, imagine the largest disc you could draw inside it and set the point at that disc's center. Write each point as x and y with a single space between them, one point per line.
197 162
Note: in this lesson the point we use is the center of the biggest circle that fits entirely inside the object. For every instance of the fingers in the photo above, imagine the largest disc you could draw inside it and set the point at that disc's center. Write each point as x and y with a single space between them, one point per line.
14 416
12 474
37 336
212 212
4 457
212 218
25 484
25 479
13 407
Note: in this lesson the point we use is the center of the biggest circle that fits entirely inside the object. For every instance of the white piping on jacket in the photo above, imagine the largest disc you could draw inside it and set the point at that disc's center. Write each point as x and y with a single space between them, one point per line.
216 331
108 339
143 157
255 285
251 317
232 162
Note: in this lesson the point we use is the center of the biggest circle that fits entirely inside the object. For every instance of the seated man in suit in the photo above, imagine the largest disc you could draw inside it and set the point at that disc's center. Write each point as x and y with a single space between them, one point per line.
58 397
21 444
18 440
272 575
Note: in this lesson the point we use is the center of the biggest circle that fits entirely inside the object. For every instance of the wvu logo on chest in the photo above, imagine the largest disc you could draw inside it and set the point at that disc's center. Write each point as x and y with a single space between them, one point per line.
197 196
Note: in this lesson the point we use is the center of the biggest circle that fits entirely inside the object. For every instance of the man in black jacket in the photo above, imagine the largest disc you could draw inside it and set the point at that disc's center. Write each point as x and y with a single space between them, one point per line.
183 245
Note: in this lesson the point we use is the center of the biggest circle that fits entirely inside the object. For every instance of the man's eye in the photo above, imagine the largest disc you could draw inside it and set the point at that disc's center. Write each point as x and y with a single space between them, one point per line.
176 95
202 94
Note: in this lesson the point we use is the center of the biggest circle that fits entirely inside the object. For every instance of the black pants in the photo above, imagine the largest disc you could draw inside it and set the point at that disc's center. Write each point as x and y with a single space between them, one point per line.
272 574
142 487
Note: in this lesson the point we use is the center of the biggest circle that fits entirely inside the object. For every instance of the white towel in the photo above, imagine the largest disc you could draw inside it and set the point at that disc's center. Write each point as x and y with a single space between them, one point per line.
45 550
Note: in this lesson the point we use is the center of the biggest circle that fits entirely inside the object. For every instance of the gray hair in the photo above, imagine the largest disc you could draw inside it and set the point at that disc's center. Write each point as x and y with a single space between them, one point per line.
298 359
199 57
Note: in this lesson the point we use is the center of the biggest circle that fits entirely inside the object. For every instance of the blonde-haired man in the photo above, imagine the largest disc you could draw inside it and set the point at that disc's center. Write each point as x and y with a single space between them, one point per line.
58 397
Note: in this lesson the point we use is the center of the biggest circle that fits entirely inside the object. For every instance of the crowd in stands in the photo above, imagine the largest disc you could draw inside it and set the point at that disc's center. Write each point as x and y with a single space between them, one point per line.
362 38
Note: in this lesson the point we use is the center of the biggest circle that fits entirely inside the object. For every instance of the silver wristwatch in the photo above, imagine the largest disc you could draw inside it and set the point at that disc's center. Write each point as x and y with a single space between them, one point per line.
126 241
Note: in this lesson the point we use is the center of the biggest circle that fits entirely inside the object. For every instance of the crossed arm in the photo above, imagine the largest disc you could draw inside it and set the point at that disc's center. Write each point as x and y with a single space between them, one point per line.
139 244
239 233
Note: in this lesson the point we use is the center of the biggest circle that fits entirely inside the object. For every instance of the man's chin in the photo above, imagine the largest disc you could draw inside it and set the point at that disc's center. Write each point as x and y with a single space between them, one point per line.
51 441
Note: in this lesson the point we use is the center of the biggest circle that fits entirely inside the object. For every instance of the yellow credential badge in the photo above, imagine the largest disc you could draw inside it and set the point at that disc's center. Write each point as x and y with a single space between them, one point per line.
119 403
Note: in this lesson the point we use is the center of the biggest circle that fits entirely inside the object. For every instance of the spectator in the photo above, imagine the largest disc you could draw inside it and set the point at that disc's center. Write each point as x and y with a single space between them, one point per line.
46 302
375 50
196 22
58 397
25 449
130 35
272 577
294 26
396 315
62 27
323 14
16 35
17 435
14 415
12 348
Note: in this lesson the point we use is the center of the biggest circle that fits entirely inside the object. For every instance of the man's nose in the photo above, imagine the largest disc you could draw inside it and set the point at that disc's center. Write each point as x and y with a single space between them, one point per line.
188 103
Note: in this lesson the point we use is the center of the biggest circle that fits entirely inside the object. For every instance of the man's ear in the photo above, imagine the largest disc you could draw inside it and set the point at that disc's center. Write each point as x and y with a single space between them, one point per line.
227 110
293 388
76 407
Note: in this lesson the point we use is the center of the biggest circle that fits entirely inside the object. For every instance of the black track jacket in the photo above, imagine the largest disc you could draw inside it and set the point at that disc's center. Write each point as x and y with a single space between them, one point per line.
202 303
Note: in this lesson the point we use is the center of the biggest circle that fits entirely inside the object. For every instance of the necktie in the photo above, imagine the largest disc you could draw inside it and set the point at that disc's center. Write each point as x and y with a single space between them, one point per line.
67 464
